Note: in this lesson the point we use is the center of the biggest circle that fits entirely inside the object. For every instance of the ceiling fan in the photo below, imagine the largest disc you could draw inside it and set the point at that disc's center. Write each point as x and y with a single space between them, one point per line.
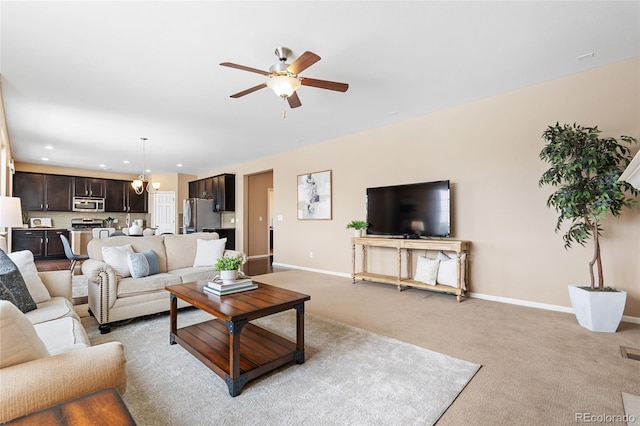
283 78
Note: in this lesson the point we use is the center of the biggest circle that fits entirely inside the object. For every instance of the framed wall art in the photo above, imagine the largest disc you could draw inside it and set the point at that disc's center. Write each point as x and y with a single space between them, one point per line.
314 195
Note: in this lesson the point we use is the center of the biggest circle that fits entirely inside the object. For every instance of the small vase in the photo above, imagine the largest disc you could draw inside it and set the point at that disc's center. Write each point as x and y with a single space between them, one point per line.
357 232
229 277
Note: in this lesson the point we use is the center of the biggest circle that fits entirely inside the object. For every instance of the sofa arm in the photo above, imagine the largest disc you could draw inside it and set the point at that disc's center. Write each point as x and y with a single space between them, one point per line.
102 287
58 283
38 384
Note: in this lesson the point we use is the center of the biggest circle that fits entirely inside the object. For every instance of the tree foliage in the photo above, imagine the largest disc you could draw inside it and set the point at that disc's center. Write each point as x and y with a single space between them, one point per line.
585 168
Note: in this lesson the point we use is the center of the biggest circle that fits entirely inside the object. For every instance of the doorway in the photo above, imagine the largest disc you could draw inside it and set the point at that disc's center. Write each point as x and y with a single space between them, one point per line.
164 212
257 219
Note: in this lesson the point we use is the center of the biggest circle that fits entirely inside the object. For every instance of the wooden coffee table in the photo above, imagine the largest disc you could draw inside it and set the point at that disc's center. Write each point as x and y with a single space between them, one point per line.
216 343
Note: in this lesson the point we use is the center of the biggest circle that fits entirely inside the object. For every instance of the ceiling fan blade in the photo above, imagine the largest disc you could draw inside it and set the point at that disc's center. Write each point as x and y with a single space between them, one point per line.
250 90
294 100
242 67
303 62
324 84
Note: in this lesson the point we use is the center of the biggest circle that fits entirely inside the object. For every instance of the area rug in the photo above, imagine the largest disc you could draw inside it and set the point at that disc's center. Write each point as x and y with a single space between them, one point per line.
79 286
351 377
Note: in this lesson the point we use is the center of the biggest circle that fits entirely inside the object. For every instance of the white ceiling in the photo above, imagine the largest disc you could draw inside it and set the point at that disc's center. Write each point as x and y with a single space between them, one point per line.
90 78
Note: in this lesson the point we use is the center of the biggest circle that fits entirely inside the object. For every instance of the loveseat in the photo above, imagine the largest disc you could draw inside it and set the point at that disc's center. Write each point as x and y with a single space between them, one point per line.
45 354
114 295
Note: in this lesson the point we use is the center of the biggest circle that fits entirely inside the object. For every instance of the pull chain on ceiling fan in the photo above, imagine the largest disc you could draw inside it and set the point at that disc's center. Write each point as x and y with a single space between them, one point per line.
284 78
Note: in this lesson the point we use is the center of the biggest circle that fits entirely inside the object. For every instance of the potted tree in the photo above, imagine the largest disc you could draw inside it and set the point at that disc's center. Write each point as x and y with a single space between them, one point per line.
358 226
228 267
586 169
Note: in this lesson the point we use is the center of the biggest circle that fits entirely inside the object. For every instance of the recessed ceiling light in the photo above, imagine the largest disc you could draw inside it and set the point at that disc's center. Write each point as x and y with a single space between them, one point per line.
585 56
102 166
179 165
393 113
44 159
126 161
48 147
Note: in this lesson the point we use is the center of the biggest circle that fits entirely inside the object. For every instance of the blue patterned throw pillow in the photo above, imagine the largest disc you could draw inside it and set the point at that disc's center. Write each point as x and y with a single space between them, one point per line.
12 285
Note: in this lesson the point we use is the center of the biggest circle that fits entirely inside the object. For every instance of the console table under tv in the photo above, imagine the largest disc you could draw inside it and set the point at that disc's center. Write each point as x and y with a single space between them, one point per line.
407 245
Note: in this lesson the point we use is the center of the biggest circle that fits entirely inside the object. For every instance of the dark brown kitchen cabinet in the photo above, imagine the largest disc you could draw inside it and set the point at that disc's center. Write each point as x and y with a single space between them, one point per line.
88 187
43 192
220 188
42 243
120 197
224 192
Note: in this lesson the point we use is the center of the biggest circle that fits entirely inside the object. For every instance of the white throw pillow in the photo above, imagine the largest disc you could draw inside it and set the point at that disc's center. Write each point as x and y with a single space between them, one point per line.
427 270
209 251
19 341
448 270
118 258
27 267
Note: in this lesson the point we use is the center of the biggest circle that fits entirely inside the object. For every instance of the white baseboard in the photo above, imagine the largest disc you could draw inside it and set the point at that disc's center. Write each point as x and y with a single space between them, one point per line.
519 302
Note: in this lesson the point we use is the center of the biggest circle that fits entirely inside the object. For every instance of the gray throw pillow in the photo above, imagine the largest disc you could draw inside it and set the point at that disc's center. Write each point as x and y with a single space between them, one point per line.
12 285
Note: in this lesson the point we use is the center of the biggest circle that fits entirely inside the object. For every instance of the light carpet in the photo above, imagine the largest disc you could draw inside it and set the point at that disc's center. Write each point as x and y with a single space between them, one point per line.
351 377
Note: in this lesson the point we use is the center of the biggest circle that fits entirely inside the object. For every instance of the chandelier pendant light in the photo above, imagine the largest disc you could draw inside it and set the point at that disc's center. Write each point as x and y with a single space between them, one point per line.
144 180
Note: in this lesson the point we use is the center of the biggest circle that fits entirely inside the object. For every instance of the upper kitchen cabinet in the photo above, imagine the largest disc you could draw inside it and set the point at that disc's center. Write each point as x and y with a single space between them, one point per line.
224 192
43 192
120 197
88 187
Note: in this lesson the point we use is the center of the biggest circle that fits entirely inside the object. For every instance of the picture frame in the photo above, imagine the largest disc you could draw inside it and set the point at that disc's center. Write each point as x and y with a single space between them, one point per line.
40 222
314 196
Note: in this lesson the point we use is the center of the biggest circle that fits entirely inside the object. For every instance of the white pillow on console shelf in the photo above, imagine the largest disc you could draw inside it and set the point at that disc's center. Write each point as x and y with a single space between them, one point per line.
448 270
427 270
209 251
118 258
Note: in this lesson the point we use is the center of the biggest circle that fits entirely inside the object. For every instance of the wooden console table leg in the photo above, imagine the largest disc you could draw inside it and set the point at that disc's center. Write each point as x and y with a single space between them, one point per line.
459 271
399 268
353 260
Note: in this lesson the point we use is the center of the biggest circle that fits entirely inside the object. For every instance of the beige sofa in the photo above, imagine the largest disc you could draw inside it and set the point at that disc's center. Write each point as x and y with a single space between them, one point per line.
46 356
115 298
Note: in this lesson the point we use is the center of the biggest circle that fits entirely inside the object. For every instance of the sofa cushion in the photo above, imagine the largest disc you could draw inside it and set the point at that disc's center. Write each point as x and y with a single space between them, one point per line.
62 335
181 249
116 257
12 285
209 251
154 243
19 341
203 273
57 307
25 263
152 283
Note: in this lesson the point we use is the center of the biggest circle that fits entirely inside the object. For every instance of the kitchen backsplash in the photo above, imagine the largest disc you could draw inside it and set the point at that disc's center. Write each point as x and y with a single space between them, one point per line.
63 219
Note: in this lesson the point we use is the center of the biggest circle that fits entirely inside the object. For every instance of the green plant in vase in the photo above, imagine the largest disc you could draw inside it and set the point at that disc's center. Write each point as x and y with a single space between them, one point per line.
358 226
228 267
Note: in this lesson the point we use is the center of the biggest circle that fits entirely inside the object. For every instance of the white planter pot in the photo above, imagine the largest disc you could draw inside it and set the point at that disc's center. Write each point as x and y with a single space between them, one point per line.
229 277
357 232
598 310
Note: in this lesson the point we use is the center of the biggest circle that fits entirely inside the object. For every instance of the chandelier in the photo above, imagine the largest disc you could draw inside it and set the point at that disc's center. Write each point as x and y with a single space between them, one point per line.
144 180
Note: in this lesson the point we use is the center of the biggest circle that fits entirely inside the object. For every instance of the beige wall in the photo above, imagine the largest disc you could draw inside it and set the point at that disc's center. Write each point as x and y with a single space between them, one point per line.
489 150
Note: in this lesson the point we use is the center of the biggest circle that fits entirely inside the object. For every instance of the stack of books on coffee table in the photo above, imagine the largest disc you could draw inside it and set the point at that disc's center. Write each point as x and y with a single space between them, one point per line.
219 288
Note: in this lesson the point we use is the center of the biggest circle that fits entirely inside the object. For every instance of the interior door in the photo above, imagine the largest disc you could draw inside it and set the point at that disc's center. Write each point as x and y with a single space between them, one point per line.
164 212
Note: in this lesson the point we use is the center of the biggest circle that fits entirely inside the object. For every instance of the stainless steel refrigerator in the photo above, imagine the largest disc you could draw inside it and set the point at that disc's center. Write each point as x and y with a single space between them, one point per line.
198 214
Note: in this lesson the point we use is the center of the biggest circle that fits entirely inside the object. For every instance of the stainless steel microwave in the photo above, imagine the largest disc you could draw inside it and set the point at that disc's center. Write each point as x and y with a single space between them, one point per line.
88 204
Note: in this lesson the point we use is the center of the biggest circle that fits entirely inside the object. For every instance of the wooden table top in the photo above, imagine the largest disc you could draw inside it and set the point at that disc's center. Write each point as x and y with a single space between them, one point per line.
103 407
251 304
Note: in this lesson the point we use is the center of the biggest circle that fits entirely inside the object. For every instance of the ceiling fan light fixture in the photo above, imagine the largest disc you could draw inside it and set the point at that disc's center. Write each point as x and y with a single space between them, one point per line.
283 85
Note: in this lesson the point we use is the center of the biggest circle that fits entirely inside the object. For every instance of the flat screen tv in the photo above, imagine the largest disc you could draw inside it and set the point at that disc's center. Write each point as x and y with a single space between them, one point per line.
410 211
